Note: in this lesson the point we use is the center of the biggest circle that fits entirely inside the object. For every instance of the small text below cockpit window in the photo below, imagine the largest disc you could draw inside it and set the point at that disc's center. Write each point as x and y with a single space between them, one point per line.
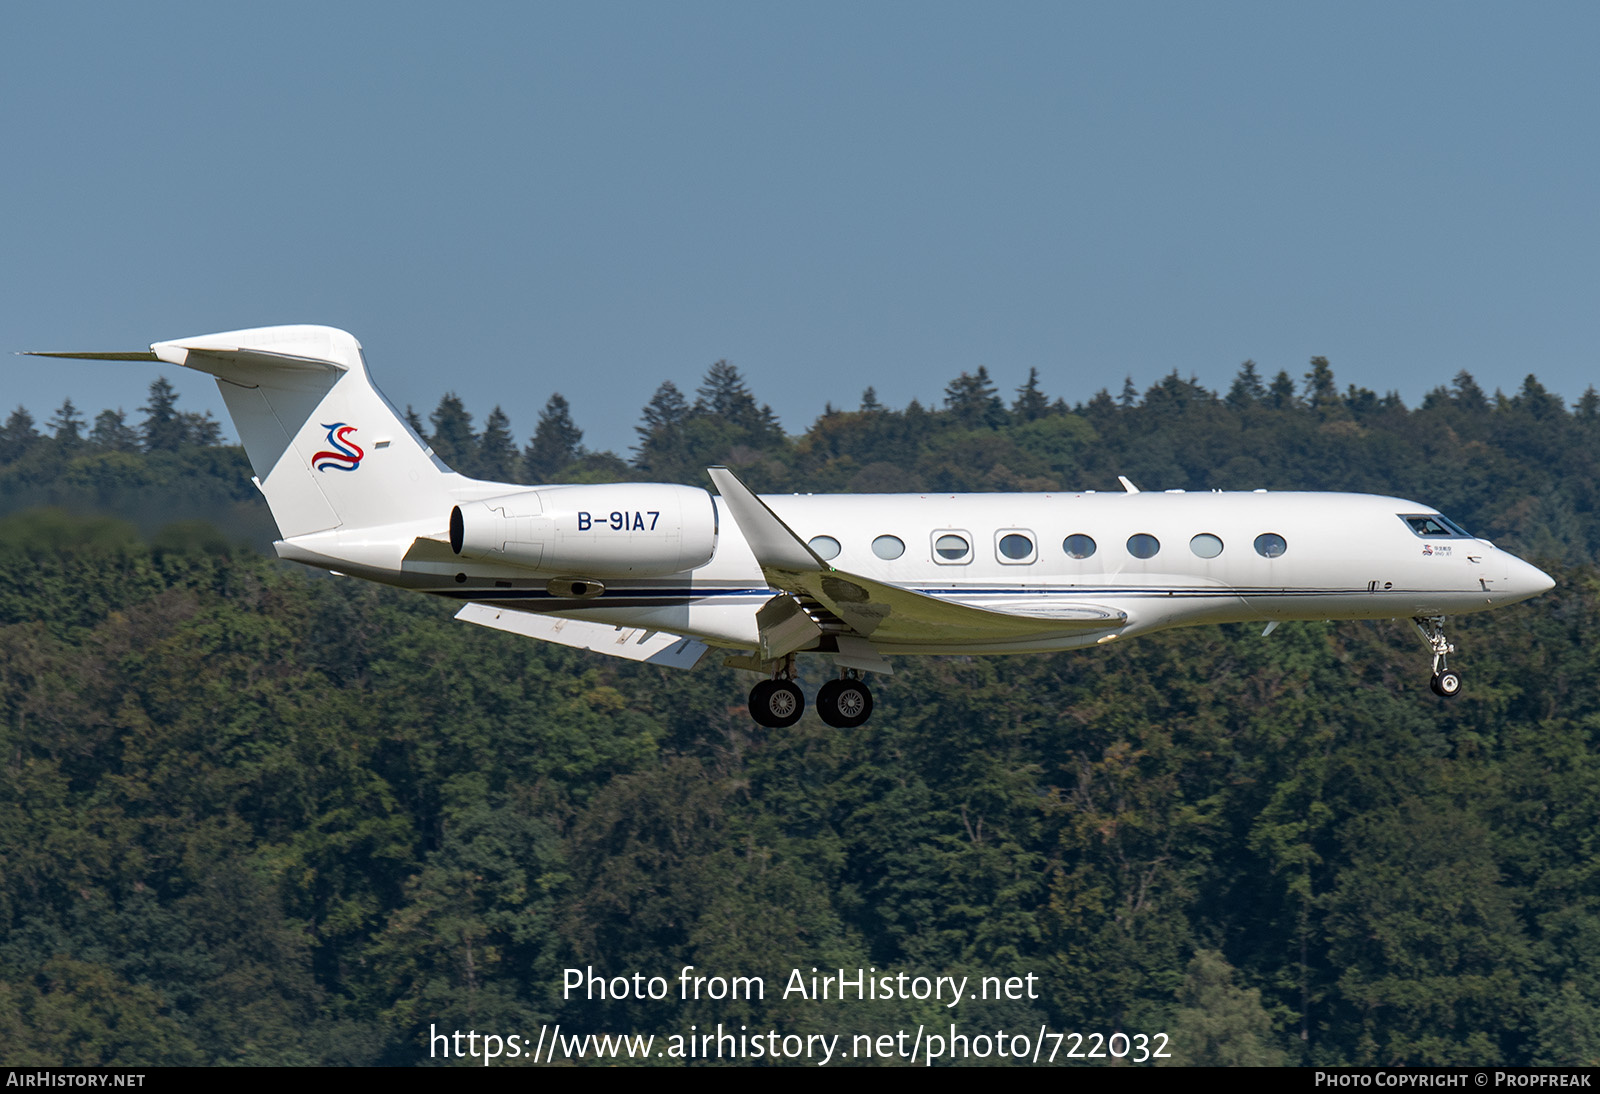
1434 526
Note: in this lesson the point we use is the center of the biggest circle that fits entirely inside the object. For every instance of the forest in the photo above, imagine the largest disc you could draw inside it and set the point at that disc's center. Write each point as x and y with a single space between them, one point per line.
255 814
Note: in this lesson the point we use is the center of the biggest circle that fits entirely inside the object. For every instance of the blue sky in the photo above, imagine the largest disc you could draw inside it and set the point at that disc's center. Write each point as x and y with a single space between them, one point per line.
506 200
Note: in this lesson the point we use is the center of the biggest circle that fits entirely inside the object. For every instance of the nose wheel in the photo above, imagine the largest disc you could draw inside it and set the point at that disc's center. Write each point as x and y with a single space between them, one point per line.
1446 682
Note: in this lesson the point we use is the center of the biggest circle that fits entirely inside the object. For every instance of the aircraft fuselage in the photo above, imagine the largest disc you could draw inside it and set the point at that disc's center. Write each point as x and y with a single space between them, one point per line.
1164 559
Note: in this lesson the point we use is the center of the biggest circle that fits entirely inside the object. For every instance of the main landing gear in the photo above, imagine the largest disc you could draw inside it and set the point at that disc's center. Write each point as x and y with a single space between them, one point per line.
1446 682
778 703
846 702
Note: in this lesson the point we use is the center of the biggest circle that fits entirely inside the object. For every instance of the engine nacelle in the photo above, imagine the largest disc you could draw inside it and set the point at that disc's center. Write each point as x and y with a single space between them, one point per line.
609 530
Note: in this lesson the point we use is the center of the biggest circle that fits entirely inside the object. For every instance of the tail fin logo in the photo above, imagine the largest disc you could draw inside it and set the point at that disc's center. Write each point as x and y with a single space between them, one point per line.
345 455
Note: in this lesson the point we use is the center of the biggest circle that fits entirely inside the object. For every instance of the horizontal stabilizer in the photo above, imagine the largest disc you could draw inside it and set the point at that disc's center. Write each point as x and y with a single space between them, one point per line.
632 643
134 356
235 355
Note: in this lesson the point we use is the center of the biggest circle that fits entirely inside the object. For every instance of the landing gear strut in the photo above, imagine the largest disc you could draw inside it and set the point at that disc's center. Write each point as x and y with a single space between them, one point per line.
1445 682
779 702
846 702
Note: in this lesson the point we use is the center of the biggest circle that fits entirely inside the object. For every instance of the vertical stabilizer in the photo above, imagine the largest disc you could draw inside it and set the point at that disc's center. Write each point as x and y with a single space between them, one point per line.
328 449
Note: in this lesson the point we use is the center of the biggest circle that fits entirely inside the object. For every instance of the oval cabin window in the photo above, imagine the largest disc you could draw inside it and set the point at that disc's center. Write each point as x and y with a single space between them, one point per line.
1143 545
826 547
1270 545
888 547
1078 546
1016 548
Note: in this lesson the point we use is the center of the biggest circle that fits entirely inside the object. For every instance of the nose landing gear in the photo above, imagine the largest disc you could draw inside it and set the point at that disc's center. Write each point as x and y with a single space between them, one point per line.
1445 682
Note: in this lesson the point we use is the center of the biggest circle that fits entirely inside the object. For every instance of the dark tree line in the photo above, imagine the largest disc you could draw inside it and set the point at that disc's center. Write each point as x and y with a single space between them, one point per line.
165 428
1522 466
249 814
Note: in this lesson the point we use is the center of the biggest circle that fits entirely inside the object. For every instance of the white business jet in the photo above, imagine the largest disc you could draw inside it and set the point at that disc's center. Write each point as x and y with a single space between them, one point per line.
661 573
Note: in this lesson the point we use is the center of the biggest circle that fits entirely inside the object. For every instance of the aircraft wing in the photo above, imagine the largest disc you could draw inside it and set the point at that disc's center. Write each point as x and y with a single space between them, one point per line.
892 614
633 643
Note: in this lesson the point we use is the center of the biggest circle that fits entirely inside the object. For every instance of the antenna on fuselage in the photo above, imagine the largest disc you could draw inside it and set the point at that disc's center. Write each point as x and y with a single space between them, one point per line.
1126 485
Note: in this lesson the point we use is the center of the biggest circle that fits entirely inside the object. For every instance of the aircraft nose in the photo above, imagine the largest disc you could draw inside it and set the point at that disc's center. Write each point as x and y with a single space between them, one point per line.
1524 580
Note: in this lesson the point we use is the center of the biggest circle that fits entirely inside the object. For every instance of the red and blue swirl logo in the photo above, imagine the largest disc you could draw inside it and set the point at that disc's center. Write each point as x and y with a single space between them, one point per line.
345 455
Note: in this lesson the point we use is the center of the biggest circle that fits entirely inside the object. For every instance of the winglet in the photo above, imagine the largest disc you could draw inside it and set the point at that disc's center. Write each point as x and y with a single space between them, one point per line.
773 542
1126 485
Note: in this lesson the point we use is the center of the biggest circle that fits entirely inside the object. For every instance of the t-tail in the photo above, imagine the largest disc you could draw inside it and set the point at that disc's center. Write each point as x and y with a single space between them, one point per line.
329 452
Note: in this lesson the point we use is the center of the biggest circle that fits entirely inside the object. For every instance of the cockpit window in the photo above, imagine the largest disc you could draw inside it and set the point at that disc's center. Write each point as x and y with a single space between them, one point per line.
1434 526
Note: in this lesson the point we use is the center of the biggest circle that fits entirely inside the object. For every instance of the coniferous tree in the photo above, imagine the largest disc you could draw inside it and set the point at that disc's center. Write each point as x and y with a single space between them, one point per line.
918 423
661 442
164 428
723 392
453 440
1588 407
1174 393
67 425
1130 394
724 396
1031 403
556 441
415 422
1467 394
1321 392
974 401
497 453
112 433
1247 389
1101 406
666 409
1536 400
869 401
17 436
1361 401
1280 396
200 429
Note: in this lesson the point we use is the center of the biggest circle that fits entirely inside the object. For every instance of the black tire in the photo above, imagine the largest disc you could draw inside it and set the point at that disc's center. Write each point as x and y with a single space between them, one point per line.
1447 684
776 704
844 704
759 701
